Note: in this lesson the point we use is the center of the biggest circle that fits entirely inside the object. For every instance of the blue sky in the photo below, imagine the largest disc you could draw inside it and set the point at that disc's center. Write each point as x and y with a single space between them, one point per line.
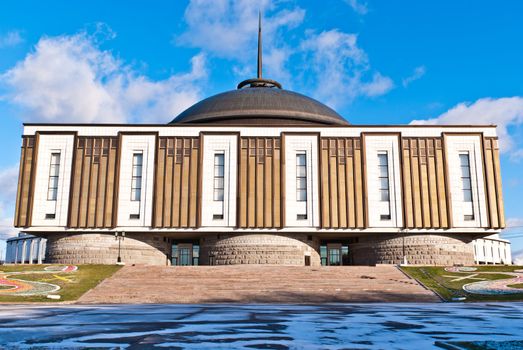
375 62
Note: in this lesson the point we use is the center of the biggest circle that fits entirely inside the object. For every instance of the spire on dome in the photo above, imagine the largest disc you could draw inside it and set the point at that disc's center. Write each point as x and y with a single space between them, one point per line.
259 81
259 46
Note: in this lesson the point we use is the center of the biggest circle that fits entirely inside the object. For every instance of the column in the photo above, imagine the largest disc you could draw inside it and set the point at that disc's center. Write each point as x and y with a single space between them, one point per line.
8 252
24 248
31 250
41 250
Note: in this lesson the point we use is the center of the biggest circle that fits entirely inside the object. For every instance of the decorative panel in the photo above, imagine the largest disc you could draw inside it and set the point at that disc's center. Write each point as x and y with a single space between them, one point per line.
496 212
93 182
424 183
25 179
259 203
342 192
176 187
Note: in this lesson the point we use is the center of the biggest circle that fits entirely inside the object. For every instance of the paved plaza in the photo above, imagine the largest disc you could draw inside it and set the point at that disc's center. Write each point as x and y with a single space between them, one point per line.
267 326
258 284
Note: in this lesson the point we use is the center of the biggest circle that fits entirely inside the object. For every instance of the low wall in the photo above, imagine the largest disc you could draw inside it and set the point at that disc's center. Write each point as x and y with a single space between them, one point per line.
288 249
259 249
94 248
419 249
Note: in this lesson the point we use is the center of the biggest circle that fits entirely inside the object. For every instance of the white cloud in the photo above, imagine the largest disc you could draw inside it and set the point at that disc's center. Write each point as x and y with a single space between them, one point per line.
7 230
341 68
360 7
228 29
514 222
329 65
505 112
8 181
8 187
69 78
517 155
379 85
11 38
416 74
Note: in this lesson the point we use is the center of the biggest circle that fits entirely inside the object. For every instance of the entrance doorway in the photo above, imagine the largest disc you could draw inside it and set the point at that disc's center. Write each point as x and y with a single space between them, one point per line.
336 253
185 254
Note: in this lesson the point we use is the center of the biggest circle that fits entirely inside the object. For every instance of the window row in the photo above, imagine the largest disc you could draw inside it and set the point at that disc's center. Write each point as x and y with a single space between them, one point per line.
383 178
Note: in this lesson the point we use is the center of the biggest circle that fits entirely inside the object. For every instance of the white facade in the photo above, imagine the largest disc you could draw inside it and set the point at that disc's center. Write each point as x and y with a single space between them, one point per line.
170 130
492 250
137 213
48 212
471 146
214 182
384 213
134 216
301 213
219 213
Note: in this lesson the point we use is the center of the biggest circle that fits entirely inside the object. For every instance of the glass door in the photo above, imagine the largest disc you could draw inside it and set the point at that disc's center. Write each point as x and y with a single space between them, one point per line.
334 254
182 254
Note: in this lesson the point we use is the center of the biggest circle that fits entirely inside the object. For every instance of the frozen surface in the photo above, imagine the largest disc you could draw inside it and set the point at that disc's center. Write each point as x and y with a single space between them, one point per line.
328 326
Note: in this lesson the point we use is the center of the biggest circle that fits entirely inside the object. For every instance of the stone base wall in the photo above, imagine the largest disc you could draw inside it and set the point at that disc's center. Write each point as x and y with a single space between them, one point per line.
419 249
93 248
288 249
230 249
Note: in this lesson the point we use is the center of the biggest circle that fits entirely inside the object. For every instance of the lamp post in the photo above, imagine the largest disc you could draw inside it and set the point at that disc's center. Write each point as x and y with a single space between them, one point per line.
119 236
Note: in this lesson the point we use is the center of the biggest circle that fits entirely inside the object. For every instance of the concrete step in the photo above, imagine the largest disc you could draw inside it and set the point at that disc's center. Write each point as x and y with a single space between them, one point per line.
257 283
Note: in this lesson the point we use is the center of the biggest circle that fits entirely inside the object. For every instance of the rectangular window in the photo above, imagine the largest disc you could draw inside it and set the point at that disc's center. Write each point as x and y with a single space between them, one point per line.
383 183
383 177
466 185
136 180
301 177
54 169
219 166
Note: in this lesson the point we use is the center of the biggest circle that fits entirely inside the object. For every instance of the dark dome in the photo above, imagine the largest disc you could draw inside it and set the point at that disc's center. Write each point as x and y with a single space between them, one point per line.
259 106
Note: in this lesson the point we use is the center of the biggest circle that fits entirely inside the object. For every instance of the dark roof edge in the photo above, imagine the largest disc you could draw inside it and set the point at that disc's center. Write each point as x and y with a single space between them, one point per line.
218 119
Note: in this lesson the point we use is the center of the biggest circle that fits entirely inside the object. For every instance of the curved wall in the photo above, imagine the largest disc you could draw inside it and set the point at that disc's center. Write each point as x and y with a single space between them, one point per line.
419 249
272 249
94 248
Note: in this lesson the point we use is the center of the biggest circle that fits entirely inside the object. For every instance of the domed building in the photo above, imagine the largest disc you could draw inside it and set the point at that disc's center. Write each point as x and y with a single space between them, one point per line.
261 175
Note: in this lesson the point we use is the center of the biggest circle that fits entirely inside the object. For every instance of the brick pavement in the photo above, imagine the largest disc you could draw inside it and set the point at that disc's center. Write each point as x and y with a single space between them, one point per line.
258 284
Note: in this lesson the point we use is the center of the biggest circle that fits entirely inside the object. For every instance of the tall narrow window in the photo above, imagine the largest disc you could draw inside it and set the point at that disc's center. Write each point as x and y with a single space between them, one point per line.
466 184
383 174
383 182
464 162
54 168
219 159
301 177
136 181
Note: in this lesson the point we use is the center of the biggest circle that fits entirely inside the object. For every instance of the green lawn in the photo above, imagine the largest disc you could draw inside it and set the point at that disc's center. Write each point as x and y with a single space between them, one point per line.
433 278
72 284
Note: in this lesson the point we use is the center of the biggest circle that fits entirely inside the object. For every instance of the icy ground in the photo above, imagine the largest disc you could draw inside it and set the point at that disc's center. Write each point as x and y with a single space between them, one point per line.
328 326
